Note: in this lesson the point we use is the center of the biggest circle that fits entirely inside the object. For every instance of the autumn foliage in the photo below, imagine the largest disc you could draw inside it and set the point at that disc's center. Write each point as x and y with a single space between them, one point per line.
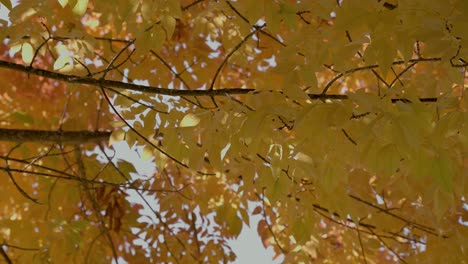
342 124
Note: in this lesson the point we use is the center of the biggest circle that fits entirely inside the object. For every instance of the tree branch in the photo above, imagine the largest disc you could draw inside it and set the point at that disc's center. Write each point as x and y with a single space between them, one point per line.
116 84
92 198
5 256
370 67
68 137
174 92
194 3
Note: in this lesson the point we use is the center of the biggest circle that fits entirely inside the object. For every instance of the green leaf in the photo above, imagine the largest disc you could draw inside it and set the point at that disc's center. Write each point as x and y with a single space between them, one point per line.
23 117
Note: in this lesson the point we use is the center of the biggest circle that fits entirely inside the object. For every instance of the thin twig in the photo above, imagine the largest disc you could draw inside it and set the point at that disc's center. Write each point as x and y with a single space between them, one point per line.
109 66
195 232
401 73
348 137
194 3
237 12
137 101
230 54
362 58
21 190
67 176
268 224
138 133
179 77
421 227
362 246
388 247
369 67
94 203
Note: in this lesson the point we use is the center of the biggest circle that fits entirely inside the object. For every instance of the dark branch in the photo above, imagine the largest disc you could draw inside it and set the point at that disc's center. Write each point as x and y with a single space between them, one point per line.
194 3
173 92
236 48
370 67
5 256
421 227
68 137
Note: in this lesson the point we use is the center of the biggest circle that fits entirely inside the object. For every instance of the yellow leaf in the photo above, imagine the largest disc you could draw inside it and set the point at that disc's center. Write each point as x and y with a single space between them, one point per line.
63 3
161 160
443 172
226 213
388 159
272 17
15 48
27 53
80 7
169 24
146 153
61 62
174 9
6 3
116 136
189 120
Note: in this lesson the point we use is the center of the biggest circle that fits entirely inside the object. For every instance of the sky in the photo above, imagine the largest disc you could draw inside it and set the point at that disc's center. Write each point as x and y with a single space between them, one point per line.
248 246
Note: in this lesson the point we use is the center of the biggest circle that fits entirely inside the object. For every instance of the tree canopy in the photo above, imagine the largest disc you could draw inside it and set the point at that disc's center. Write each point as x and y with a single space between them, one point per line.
343 124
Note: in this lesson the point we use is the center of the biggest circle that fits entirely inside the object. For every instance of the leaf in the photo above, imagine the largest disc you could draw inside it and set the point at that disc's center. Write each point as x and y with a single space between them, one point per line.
189 120
24 118
367 102
443 172
116 136
272 17
27 53
388 159
174 8
146 153
301 229
235 225
63 3
420 165
152 39
288 13
226 213
61 62
315 166
442 202
126 167
80 7
7 4
257 210
169 24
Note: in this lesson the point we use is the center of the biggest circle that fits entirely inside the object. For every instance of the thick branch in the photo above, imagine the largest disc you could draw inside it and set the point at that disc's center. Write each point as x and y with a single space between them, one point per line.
116 84
5 256
69 137
173 92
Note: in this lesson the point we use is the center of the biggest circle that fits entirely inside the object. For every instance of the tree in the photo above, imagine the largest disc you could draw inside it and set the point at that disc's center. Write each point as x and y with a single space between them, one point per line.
342 123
